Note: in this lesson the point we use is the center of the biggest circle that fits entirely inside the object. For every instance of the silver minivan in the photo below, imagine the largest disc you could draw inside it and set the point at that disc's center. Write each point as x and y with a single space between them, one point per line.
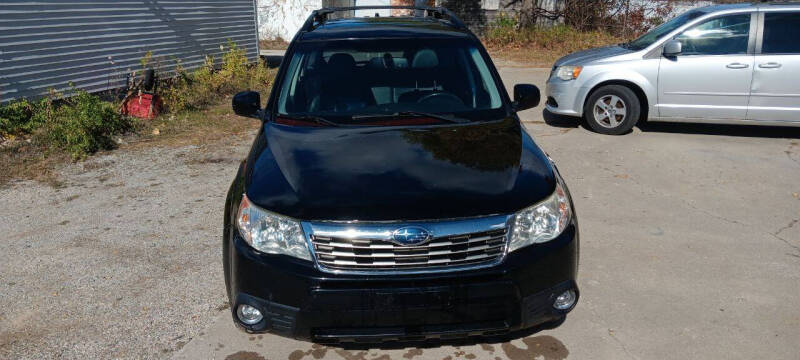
720 64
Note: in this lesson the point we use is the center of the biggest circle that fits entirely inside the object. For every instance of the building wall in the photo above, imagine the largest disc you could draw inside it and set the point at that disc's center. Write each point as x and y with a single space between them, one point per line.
282 18
93 44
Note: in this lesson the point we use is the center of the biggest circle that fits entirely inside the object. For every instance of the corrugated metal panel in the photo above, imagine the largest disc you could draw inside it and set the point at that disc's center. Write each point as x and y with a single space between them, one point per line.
93 44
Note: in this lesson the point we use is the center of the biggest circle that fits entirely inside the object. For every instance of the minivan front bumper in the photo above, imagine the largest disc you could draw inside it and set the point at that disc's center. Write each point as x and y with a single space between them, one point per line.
300 301
565 97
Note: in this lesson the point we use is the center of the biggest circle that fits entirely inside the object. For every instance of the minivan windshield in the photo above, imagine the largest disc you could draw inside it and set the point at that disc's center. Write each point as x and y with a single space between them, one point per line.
372 81
660 31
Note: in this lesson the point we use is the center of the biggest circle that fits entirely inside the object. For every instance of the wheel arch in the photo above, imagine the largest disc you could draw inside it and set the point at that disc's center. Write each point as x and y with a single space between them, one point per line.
644 101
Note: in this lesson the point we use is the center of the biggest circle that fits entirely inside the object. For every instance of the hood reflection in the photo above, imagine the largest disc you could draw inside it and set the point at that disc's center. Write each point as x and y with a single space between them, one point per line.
395 173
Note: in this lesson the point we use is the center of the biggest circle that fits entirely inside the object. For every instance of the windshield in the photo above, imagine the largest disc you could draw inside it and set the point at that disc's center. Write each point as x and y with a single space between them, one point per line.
654 35
366 82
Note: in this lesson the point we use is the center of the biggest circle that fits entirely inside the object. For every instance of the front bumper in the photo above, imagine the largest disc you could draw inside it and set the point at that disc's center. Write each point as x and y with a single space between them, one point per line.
564 97
300 301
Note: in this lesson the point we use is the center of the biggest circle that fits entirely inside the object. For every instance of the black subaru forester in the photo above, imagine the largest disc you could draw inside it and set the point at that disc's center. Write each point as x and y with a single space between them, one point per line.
392 193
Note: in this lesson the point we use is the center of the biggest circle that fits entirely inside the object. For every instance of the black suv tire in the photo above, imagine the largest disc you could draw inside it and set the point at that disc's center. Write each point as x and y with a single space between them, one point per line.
602 110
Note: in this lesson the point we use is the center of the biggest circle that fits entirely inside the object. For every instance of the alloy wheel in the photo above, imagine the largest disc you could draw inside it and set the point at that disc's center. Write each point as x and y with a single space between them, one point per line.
610 111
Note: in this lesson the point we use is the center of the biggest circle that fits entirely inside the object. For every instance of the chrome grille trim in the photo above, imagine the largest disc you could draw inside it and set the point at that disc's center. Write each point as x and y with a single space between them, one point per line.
365 248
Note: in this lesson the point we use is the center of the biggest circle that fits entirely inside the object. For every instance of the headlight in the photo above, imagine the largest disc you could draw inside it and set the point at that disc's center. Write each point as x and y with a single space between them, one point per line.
568 73
271 233
541 222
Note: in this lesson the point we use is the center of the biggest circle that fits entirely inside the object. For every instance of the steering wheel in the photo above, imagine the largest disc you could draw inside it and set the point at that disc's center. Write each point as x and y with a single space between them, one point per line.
442 98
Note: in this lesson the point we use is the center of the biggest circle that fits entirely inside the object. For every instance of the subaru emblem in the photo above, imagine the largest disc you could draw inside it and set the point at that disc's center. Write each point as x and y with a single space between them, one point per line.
411 236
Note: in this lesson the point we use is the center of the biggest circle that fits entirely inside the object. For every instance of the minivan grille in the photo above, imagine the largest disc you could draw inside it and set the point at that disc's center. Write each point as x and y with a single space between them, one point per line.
479 248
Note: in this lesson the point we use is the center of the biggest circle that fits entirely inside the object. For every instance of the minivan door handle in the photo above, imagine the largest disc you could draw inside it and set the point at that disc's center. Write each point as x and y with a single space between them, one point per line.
769 65
737 66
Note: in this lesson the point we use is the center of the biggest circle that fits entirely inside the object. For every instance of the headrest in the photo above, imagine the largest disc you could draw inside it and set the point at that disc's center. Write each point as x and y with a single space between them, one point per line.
342 61
425 59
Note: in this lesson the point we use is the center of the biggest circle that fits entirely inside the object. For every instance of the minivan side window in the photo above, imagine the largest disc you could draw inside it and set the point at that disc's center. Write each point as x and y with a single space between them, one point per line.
781 33
718 36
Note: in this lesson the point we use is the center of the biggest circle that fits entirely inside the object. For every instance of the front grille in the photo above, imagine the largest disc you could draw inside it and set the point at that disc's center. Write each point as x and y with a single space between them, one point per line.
442 252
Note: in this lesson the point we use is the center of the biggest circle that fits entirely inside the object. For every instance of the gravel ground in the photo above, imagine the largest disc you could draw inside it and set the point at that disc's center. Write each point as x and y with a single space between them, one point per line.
690 246
123 261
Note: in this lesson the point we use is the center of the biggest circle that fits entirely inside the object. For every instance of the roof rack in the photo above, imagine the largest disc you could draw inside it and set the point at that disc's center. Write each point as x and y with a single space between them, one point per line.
319 17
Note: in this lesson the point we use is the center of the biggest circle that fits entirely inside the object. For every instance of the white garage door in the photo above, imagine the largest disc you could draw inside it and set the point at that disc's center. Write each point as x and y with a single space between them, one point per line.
364 13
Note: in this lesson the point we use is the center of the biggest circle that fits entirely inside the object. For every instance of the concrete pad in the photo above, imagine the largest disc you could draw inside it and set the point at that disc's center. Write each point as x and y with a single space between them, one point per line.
223 341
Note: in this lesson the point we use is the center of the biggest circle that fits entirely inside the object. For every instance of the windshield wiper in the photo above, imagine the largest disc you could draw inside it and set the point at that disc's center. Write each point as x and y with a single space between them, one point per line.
442 117
310 118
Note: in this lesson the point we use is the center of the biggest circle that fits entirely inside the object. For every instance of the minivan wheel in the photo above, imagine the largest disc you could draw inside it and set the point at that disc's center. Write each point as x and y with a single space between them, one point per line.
612 110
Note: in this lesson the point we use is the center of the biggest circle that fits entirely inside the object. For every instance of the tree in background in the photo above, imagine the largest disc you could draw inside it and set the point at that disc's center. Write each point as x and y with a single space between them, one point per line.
625 18
470 11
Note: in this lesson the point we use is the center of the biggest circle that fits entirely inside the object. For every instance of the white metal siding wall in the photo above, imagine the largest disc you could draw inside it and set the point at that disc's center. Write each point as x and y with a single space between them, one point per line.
93 43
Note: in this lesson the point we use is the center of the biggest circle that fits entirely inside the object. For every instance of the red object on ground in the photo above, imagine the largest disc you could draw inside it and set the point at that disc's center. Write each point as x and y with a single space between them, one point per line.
145 106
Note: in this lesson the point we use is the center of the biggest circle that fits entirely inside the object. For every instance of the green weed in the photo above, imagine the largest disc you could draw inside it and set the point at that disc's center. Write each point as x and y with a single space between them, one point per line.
84 124
209 84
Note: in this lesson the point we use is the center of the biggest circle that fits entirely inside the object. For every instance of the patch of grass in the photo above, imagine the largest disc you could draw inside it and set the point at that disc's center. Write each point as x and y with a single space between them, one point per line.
16 117
30 161
195 127
36 137
79 125
206 86
83 124
197 103
540 46
45 134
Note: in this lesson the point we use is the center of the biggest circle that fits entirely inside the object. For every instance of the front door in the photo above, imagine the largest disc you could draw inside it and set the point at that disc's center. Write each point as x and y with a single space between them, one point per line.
711 77
775 94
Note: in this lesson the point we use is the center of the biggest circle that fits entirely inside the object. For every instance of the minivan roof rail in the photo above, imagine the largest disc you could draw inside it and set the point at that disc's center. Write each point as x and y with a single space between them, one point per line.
319 17
780 2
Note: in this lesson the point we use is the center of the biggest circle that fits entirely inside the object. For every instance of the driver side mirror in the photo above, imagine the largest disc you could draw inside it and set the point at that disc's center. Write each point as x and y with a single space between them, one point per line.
248 104
673 48
526 96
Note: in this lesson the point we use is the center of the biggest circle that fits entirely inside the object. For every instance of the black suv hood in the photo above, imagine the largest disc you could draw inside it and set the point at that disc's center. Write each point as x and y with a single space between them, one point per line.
397 173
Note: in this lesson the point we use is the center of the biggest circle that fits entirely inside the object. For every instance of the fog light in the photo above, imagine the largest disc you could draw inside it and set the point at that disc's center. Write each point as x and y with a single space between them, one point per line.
249 315
565 300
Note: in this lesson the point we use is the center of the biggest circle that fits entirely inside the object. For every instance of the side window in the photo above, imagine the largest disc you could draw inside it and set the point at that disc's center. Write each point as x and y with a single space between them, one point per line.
719 36
781 33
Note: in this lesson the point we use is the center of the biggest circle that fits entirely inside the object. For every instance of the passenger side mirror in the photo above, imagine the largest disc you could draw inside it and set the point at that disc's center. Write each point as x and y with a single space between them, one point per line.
526 96
248 104
673 48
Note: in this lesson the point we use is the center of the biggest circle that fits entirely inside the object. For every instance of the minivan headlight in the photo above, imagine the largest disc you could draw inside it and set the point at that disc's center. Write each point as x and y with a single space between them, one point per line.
271 233
568 73
541 222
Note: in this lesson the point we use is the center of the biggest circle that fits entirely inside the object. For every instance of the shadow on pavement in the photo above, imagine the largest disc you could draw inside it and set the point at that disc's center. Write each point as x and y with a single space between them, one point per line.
561 121
435 343
783 132
722 130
